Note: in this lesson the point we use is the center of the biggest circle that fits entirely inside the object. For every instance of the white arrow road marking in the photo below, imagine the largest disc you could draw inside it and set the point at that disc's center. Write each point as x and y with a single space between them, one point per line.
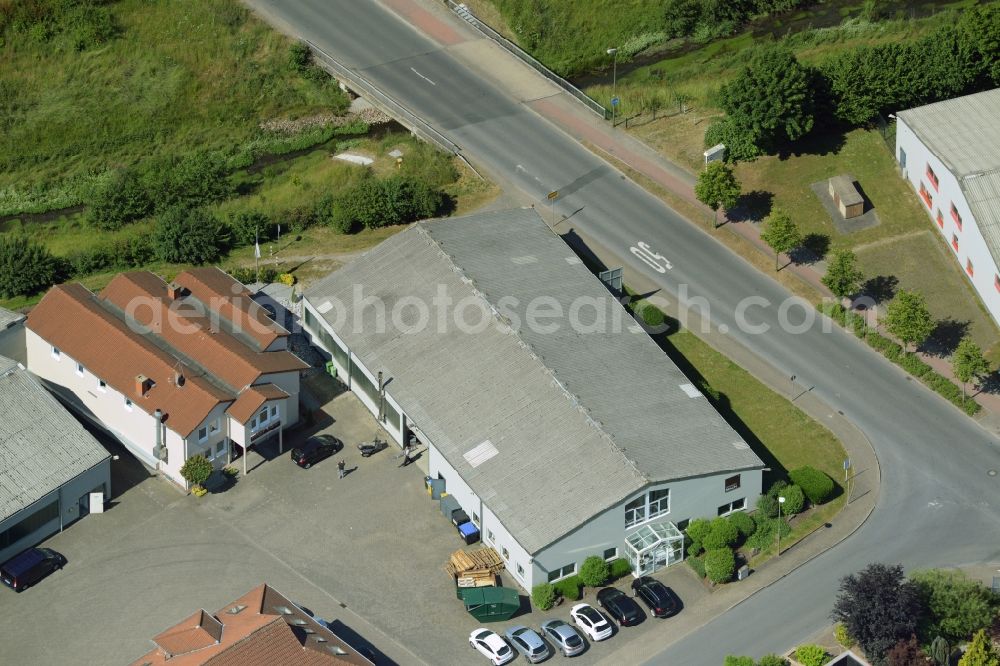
655 261
422 76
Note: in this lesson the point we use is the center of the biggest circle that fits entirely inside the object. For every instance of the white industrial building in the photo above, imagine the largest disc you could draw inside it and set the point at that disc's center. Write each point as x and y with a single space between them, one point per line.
950 153
554 420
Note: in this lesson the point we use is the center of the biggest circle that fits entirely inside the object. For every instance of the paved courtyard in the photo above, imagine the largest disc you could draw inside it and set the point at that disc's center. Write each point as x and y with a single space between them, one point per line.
366 550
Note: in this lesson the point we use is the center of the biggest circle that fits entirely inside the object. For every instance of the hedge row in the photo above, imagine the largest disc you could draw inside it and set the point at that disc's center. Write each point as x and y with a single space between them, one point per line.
892 351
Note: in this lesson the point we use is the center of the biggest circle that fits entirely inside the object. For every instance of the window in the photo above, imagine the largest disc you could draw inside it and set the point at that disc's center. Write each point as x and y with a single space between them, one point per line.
202 434
29 525
213 427
735 505
659 502
732 483
102 386
475 518
926 196
996 282
262 417
56 354
520 570
489 535
683 525
931 176
635 511
940 218
562 572
208 453
955 216
274 411
902 158
253 423
968 267
610 553
79 369
506 555
220 448
128 405
954 242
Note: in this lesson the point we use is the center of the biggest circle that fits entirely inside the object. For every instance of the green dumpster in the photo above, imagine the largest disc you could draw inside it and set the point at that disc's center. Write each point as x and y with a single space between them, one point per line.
490 604
331 369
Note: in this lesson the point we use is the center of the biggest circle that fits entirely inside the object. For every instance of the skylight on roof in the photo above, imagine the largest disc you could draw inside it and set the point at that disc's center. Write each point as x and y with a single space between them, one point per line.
691 390
477 456
284 610
742 446
572 261
528 259
236 609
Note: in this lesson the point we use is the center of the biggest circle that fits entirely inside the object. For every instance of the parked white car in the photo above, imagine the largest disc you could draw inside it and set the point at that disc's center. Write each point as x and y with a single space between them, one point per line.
591 622
491 646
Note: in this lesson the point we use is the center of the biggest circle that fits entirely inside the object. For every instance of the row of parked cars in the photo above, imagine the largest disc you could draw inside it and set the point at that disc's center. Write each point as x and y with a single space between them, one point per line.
559 636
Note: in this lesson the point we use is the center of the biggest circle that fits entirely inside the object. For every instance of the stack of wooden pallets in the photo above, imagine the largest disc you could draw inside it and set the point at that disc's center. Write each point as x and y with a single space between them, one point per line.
474 568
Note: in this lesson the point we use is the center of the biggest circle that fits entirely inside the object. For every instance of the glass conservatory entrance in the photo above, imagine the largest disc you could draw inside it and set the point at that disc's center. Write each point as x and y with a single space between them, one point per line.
653 547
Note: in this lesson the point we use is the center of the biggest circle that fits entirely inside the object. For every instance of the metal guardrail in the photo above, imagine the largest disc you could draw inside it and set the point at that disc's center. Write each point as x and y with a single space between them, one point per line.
466 14
385 103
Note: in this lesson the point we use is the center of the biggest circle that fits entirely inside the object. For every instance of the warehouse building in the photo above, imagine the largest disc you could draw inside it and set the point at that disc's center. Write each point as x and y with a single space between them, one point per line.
557 423
950 153
49 464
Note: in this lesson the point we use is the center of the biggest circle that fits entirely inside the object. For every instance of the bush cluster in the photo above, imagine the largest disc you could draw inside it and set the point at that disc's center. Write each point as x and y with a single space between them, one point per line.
810 655
26 267
720 565
767 530
620 568
81 24
121 253
569 588
766 660
380 202
698 564
723 534
937 382
543 596
594 571
816 485
189 236
247 275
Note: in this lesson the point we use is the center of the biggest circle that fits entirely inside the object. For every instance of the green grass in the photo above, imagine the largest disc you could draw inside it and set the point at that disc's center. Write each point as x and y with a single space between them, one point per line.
183 75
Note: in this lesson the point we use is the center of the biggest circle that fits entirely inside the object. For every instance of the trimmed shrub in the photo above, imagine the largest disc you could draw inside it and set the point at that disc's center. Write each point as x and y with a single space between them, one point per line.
795 501
569 588
810 655
772 660
766 534
694 548
620 568
720 565
543 596
743 523
595 571
26 267
842 636
189 236
816 485
767 506
698 529
698 564
196 470
777 487
732 660
722 535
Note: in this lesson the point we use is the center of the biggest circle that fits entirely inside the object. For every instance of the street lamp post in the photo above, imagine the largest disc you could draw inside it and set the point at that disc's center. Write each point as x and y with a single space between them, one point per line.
613 52
781 500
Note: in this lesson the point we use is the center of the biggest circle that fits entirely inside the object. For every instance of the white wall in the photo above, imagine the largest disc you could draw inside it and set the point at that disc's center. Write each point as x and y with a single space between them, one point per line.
289 383
971 245
455 485
495 534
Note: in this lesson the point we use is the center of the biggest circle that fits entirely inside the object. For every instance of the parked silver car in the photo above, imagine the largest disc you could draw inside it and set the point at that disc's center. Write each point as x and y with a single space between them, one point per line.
564 637
528 643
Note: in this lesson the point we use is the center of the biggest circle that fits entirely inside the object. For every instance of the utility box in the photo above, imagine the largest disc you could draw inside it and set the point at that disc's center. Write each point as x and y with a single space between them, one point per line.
742 572
716 153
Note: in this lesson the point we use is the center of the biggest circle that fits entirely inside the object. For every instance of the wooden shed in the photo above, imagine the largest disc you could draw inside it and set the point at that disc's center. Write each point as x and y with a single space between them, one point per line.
849 201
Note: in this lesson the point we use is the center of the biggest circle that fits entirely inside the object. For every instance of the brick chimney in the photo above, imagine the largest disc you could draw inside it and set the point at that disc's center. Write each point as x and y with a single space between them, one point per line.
174 291
143 384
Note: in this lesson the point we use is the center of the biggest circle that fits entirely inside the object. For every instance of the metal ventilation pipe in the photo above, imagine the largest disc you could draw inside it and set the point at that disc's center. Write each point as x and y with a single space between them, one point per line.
158 448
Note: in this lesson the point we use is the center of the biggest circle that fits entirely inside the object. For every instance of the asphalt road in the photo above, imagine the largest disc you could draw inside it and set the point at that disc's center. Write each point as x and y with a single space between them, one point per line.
938 506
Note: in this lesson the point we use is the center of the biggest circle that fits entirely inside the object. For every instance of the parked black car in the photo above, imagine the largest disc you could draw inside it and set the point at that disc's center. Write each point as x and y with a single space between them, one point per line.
27 568
661 599
621 607
315 449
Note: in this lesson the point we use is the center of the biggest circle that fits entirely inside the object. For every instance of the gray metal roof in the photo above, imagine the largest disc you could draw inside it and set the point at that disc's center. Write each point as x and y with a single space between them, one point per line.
41 445
964 133
579 419
8 317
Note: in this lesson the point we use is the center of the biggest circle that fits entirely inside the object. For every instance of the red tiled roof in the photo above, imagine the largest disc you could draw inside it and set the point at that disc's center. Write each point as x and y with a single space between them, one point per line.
72 319
250 401
185 325
258 634
228 298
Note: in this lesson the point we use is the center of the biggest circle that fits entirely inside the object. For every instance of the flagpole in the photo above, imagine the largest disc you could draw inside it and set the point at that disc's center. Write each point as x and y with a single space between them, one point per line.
256 256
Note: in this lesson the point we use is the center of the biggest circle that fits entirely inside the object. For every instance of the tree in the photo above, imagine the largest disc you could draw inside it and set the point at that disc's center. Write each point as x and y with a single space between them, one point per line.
374 203
957 606
780 234
196 470
969 363
908 653
26 267
543 596
879 607
187 236
594 571
980 652
810 655
795 501
772 97
717 186
248 227
843 277
940 651
118 201
720 564
908 318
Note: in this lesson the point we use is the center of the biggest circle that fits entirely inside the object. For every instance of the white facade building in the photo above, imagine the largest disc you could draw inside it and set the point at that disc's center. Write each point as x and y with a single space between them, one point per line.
950 153
560 435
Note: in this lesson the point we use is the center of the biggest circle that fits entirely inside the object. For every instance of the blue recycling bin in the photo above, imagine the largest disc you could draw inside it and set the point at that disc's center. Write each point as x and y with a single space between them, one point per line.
469 533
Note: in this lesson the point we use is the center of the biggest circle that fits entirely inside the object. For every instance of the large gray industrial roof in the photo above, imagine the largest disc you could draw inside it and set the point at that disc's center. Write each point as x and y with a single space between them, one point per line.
964 133
41 445
8 317
580 419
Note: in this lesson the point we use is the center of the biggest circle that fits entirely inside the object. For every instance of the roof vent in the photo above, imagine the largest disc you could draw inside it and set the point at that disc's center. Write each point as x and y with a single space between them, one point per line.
178 378
142 385
174 291
235 610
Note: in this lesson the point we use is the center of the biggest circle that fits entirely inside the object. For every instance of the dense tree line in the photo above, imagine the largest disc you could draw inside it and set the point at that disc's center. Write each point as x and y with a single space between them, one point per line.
683 18
775 100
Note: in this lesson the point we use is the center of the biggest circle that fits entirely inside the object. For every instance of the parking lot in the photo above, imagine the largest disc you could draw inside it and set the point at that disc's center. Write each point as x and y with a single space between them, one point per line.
366 550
